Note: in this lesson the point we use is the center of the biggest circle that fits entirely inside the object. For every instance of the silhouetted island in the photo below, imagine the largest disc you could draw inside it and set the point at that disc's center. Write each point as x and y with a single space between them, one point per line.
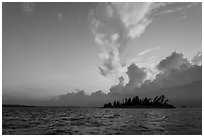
136 102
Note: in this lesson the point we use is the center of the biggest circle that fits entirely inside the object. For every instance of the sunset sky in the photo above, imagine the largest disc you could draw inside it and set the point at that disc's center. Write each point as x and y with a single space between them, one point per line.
50 49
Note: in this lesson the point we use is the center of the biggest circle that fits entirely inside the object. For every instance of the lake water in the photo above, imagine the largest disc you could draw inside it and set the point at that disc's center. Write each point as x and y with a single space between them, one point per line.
64 120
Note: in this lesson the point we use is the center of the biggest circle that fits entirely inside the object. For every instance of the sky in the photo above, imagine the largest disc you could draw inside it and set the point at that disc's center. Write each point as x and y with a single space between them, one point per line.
51 49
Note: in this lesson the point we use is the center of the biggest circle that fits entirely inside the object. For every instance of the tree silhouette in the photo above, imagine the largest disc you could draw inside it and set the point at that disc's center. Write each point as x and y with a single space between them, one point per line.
158 102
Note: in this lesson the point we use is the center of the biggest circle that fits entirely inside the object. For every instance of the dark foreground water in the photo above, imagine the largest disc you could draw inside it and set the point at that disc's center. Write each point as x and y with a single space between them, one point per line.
63 120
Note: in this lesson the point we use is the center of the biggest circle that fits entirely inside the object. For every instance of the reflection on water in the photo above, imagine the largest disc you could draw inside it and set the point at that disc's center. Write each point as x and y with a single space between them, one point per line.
63 120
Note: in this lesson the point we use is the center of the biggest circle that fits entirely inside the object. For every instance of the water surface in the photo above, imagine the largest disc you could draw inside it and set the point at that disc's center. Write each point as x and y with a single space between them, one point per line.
64 120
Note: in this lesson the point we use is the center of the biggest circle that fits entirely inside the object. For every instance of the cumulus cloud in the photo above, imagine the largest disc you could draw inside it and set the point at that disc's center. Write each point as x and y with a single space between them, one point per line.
177 77
175 60
197 59
27 7
136 75
177 70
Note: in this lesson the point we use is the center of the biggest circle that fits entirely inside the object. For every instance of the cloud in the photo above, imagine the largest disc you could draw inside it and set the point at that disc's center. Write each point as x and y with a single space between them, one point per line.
175 60
177 70
27 7
114 24
197 59
181 86
147 51
169 11
192 4
176 8
134 16
177 79
142 61
121 81
175 74
136 75
79 98
59 16
137 59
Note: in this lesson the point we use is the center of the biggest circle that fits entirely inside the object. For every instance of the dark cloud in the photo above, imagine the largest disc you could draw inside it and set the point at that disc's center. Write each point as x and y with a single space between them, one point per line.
179 80
177 70
136 75
79 98
175 60
176 77
121 81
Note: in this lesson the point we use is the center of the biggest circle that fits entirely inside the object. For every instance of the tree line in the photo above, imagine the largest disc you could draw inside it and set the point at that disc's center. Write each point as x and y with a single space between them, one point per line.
158 101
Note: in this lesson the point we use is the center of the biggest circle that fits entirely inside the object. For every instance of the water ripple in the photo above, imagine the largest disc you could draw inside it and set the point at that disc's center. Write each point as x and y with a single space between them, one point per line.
86 121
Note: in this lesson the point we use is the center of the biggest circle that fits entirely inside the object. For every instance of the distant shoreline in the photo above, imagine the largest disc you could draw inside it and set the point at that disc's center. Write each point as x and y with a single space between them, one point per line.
15 105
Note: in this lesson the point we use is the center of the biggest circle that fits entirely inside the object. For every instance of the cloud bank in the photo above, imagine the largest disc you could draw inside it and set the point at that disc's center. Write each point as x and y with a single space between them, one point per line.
178 79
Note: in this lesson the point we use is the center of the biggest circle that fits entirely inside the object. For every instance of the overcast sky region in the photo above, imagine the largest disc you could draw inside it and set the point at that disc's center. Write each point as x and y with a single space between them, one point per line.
58 53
